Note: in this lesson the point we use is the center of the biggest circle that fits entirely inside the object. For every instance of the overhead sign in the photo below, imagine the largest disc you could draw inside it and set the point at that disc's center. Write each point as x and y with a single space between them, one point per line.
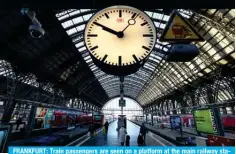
179 29
122 103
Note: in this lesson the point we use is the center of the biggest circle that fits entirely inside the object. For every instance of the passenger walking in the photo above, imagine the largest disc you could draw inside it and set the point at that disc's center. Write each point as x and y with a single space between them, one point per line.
91 129
127 140
143 131
122 133
106 125
140 140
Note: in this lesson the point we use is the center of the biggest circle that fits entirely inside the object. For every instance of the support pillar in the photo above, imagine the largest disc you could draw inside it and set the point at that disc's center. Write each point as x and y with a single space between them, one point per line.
233 110
152 119
193 99
72 102
167 107
30 123
122 92
210 96
54 96
10 104
173 105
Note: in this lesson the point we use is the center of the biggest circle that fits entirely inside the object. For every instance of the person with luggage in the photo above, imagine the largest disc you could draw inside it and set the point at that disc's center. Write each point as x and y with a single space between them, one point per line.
91 130
140 140
106 125
143 132
122 133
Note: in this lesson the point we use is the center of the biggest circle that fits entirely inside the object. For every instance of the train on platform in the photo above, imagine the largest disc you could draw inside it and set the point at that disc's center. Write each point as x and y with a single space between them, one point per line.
63 119
49 117
228 121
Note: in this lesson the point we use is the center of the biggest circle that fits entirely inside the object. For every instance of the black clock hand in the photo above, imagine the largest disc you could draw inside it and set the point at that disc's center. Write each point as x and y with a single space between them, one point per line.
107 29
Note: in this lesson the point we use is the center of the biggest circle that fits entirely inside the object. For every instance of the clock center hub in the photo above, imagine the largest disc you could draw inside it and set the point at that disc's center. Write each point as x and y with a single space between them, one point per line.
120 34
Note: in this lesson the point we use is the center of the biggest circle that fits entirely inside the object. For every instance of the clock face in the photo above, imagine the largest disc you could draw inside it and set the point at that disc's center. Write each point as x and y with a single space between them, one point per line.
120 36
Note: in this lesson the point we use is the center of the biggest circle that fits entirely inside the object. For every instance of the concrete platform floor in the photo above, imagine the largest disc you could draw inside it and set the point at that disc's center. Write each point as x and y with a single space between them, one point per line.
112 138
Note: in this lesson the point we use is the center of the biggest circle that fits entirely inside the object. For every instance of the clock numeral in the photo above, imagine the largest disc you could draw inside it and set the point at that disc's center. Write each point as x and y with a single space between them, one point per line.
107 15
93 48
104 58
120 60
133 15
144 23
147 35
120 13
135 58
144 47
92 35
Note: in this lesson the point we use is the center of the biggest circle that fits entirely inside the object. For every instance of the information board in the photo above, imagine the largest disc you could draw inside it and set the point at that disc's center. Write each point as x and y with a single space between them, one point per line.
207 121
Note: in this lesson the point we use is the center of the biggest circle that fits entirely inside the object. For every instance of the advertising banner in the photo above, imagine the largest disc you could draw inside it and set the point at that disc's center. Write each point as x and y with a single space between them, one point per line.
48 118
39 119
43 118
175 122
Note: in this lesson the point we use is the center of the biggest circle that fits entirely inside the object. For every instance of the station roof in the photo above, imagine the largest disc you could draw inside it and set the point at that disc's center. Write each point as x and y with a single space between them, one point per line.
61 61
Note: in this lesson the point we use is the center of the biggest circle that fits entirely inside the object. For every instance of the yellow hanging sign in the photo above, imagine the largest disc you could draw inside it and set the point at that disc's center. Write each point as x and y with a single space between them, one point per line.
178 29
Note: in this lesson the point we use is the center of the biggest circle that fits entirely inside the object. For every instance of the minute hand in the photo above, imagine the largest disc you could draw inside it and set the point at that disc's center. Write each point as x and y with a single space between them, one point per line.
107 29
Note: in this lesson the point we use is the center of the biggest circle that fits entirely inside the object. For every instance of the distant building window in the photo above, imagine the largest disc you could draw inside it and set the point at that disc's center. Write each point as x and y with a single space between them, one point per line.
131 109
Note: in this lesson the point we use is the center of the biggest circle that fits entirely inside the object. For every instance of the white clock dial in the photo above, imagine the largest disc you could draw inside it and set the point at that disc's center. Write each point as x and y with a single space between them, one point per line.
120 35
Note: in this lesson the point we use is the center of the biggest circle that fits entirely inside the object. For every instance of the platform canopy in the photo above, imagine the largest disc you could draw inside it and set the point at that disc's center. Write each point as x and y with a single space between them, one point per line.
60 64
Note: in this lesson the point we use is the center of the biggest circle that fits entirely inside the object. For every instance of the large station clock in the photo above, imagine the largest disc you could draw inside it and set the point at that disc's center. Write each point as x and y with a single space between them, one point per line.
120 39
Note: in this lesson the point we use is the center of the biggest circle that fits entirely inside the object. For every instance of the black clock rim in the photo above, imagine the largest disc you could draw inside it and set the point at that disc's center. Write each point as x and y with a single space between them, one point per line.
155 40
117 70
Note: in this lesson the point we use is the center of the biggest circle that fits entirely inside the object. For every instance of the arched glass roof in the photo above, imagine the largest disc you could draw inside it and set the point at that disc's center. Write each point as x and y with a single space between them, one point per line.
158 78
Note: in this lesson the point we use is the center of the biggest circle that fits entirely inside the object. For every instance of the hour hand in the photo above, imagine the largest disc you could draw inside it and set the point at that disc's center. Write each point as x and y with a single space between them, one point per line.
107 29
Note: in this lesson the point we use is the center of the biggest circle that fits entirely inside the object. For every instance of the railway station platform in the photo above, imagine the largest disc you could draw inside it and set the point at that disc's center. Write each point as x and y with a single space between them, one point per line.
112 139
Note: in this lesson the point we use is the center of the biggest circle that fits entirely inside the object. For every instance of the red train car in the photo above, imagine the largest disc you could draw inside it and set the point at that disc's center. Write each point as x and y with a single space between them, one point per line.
87 119
187 120
98 119
79 119
228 122
60 119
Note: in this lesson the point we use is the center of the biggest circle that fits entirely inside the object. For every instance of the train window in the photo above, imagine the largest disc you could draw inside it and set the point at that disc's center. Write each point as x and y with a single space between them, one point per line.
229 110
